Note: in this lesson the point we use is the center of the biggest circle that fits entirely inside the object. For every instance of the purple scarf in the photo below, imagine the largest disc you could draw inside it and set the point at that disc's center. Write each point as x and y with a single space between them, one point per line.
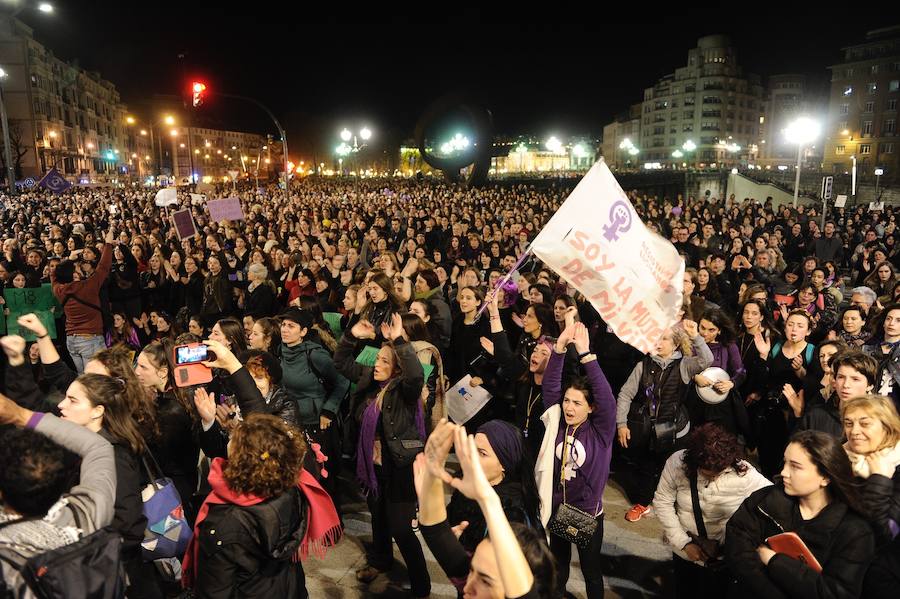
365 456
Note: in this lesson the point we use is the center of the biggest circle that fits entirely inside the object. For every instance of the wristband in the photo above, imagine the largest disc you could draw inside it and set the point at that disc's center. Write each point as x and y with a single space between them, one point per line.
44 336
585 354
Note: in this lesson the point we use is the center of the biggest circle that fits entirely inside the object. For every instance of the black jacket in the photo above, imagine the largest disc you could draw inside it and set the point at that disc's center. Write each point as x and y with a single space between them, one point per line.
882 499
128 517
214 441
246 551
398 407
823 417
841 540
260 302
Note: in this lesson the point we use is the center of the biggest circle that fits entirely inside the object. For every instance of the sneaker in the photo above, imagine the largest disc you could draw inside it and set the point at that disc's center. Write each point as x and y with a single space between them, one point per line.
637 512
367 574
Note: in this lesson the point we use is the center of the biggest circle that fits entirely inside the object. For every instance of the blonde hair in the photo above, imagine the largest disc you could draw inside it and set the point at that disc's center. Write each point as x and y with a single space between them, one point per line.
682 341
880 407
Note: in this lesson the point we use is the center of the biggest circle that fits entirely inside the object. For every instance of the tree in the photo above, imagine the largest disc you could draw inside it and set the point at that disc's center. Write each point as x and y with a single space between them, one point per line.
16 147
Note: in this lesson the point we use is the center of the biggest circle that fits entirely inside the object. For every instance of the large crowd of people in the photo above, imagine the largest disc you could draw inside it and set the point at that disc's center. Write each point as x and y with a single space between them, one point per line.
338 324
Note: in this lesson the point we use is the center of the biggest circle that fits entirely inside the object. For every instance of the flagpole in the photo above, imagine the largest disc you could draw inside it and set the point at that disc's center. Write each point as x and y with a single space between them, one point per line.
506 279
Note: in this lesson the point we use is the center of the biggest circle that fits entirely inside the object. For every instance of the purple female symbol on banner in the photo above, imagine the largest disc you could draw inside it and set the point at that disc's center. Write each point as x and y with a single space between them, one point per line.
619 220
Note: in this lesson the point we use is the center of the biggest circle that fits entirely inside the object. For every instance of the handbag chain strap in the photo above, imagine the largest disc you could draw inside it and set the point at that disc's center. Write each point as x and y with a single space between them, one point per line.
565 455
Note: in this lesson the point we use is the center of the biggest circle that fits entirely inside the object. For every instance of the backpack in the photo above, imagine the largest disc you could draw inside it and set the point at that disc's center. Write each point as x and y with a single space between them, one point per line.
90 568
808 353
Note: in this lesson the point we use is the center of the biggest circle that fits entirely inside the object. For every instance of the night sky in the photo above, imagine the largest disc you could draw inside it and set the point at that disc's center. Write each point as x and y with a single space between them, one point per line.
319 77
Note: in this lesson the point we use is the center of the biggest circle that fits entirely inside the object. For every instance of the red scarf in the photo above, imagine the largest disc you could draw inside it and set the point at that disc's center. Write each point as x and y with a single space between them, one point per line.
323 525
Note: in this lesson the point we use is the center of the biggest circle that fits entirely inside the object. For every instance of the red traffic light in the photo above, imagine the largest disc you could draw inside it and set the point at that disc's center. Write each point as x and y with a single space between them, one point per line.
199 88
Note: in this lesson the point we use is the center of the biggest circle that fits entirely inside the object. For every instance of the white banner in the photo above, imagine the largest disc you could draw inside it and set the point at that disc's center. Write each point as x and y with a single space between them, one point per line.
166 197
598 244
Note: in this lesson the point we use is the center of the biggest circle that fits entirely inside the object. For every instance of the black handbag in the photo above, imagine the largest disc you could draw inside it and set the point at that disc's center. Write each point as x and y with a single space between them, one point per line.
570 523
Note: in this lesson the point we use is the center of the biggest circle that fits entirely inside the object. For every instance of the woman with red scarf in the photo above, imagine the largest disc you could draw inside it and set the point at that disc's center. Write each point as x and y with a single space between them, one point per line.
265 513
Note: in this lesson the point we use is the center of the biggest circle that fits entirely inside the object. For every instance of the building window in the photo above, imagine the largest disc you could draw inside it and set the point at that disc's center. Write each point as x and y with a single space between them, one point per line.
872 87
887 148
848 73
762 120
688 128
865 148
689 101
870 107
839 149
867 128
873 70
889 127
892 105
894 85
845 109
848 90
842 125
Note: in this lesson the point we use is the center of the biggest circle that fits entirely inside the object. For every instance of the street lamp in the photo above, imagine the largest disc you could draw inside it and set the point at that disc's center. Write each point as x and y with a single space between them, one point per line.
801 132
345 149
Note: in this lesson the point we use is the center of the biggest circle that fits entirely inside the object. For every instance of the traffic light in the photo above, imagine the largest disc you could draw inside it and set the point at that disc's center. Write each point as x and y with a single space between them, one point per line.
199 91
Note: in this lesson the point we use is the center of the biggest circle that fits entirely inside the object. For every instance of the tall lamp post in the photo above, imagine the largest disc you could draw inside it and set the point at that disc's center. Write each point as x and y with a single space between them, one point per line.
801 132
7 148
345 149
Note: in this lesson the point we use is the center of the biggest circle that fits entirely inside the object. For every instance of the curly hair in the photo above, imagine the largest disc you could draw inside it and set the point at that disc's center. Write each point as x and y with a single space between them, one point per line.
265 456
711 447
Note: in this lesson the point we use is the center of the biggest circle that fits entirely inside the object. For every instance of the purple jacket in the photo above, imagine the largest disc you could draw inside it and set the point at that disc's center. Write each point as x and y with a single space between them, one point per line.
728 358
587 465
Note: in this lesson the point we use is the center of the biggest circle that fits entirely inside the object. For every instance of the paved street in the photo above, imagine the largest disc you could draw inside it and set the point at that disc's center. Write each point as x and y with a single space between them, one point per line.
636 564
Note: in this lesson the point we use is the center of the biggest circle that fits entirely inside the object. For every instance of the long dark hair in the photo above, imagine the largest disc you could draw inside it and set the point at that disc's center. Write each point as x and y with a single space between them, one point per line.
544 314
102 390
721 322
234 333
830 459
118 362
415 328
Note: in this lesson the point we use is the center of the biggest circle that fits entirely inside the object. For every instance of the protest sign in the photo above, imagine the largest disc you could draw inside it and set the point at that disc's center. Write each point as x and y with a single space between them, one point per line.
226 209
464 401
184 224
840 202
37 300
598 244
334 322
367 356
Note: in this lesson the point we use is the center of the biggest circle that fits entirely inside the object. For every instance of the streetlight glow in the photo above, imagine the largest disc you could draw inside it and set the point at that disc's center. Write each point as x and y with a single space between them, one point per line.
169 119
802 131
2 73
677 154
45 7
346 135
689 146
129 120
553 144
366 133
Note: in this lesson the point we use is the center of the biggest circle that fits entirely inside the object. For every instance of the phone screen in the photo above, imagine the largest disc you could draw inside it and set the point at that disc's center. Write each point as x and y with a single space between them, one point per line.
190 354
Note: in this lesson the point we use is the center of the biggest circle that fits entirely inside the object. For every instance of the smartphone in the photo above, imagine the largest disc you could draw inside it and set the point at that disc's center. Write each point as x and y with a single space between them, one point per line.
190 354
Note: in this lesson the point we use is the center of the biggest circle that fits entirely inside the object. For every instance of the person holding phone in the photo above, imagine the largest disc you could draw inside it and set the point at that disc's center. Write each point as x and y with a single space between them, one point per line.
818 500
